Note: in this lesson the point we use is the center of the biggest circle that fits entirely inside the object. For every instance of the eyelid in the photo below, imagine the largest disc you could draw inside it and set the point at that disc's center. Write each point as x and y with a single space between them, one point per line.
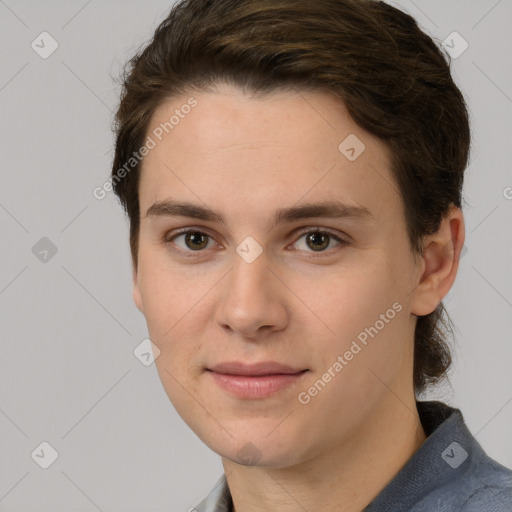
297 233
314 229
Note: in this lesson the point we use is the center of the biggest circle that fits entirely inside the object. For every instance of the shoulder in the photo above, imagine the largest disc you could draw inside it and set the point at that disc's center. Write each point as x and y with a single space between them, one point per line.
494 490
489 498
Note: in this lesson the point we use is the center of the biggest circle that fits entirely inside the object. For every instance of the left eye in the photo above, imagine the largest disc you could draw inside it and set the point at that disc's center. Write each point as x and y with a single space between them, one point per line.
318 241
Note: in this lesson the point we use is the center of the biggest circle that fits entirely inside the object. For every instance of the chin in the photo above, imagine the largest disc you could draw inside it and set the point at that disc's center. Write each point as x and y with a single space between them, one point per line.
254 447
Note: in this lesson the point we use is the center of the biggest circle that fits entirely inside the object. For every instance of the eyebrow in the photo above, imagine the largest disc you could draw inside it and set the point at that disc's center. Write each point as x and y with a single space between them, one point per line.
326 209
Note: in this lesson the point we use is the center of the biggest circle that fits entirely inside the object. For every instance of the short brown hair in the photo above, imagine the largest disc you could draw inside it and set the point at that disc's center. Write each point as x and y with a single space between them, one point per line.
393 78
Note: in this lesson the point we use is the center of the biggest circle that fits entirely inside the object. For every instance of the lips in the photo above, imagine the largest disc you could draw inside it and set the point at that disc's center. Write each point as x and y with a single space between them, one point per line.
254 381
255 369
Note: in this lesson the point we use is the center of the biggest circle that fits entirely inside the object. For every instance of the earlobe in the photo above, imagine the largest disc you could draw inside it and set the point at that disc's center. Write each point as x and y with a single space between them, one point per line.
440 263
137 296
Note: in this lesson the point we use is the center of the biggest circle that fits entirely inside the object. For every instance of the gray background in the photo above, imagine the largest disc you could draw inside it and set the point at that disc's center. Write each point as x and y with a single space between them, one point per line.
68 325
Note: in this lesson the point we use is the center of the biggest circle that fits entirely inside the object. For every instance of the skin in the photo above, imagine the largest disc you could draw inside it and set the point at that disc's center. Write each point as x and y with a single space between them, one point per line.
296 303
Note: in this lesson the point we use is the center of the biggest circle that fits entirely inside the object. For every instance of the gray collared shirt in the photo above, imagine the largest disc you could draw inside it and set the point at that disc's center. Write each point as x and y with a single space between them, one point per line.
450 472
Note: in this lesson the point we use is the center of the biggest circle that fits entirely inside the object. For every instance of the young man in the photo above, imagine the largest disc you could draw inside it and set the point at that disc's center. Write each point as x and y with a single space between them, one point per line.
292 171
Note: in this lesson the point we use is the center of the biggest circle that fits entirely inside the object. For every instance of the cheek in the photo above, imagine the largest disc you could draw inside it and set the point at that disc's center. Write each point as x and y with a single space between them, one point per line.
174 303
358 365
366 310
167 292
352 297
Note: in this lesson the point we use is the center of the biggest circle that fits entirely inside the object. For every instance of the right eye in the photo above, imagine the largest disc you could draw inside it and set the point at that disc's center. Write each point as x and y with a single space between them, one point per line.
193 241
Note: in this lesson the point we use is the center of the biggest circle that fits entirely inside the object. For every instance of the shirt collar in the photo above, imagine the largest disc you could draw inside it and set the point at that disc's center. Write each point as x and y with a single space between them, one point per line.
447 446
219 499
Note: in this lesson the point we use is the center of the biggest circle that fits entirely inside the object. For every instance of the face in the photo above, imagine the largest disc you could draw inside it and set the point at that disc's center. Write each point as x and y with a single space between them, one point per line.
274 273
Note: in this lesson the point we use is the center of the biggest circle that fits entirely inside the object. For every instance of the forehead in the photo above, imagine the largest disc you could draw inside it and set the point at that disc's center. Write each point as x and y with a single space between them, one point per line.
226 117
280 148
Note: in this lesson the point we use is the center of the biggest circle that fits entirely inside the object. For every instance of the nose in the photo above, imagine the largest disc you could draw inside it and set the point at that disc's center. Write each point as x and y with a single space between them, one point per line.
254 300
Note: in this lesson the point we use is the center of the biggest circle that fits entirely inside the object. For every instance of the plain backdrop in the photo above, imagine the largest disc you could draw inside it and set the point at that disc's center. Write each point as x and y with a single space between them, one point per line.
68 328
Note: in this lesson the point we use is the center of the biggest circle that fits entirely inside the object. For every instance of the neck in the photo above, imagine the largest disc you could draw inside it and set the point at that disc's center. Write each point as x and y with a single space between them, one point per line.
344 479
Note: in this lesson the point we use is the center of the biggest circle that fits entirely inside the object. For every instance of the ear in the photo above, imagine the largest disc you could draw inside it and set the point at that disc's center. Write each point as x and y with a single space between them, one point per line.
137 296
439 263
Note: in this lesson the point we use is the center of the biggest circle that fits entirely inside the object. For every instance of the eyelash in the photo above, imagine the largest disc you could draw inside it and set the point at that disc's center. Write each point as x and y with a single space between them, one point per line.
193 254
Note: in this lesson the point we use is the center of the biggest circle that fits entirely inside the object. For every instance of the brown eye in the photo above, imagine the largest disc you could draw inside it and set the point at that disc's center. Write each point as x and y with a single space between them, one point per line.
318 241
196 240
188 241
